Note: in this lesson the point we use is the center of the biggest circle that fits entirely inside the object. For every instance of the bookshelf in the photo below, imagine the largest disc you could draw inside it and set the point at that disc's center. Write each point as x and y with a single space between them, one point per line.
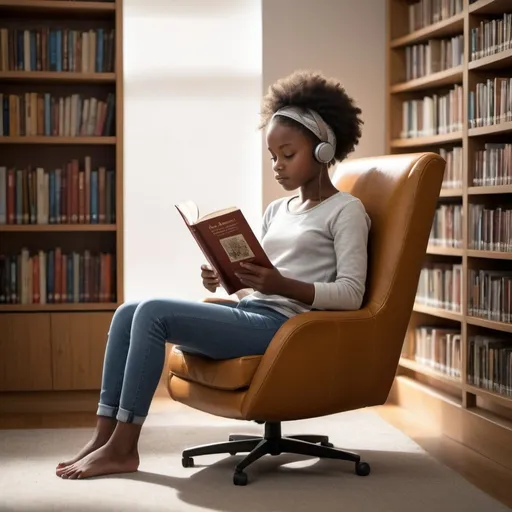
449 90
61 198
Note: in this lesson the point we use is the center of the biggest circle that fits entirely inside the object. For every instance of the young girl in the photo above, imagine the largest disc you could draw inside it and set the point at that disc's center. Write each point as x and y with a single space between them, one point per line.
316 240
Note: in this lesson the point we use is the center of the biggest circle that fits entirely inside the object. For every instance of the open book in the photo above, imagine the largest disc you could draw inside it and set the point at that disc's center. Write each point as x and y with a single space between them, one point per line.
226 239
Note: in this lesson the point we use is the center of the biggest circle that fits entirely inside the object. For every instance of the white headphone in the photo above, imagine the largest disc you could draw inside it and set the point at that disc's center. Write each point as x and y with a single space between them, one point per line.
325 150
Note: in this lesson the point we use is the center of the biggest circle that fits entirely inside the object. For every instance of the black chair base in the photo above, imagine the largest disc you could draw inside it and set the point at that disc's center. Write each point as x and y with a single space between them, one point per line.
272 443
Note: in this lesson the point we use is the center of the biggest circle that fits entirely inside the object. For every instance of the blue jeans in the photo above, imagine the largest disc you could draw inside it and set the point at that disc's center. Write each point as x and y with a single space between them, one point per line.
135 352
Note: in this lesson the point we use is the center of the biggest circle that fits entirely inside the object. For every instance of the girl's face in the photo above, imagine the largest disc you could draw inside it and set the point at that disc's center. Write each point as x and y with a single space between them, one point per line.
292 156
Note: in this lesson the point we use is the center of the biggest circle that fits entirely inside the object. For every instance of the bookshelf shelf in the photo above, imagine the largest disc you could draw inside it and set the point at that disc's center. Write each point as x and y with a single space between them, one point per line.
496 189
494 129
59 77
444 251
496 61
44 266
448 77
425 370
60 307
438 312
489 324
469 214
451 192
489 7
74 7
44 228
497 255
504 401
433 140
447 27
41 139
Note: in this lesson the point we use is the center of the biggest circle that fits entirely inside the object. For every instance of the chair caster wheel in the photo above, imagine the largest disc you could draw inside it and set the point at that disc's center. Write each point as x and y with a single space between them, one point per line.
187 462
240 478
327 445
362 468
232 453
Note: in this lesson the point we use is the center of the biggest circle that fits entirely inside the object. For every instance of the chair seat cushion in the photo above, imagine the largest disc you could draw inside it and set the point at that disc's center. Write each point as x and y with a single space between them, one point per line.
227 374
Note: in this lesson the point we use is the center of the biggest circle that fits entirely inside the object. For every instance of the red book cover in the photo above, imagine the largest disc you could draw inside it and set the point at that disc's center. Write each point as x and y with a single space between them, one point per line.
226 240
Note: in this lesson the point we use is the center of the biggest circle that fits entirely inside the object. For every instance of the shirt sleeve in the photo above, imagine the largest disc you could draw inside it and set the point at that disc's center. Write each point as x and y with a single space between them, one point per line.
350 230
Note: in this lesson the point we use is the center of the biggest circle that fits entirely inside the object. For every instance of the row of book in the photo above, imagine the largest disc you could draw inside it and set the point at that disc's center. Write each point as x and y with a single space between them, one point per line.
434 56
490 294
440 286
490 229
491 102
433 115
446 228
53 277
490 363
33 114
57 49
491 36
453 171
58 196
493 165
427 12
438 348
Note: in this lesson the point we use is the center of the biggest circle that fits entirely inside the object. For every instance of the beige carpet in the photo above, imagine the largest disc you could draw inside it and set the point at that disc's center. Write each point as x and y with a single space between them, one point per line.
403 476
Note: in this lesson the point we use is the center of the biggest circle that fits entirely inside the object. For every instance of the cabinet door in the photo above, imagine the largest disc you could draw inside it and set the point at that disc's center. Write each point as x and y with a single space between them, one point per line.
25 352
78 349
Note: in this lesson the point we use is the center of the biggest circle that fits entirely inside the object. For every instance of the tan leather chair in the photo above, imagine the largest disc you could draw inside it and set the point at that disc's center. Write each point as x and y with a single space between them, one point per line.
326 362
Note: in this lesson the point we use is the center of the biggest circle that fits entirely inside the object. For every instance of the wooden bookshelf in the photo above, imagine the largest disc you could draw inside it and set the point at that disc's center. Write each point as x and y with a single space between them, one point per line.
61 208
476 409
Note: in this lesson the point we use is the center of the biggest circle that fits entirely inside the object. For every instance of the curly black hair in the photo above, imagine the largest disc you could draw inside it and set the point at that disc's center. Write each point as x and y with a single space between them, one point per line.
326 96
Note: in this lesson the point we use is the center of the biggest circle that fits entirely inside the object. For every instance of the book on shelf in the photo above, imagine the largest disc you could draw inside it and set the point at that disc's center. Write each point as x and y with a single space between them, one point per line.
490 363
491 36
453 170
447 226
45 48
226 239
57 277
425 12
493 165
435 55
71 194
490 294
436 114
490 229
438 348
490 103
48 114
440 286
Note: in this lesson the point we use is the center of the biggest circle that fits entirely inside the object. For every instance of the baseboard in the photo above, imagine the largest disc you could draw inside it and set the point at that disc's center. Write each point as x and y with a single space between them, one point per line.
478 429
41 402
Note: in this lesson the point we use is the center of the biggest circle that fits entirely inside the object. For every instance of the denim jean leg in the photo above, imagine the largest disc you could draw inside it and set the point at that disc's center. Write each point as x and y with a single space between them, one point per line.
216 331
116 353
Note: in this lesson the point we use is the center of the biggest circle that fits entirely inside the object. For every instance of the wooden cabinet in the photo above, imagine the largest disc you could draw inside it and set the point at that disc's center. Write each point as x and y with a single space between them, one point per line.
52 351
25 352
78 347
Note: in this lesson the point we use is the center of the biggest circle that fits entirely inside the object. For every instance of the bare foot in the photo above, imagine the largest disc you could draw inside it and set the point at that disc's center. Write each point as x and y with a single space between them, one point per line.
104 429
104 461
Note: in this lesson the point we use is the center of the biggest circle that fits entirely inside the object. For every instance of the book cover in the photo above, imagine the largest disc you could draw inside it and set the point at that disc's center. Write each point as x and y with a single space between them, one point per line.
226 240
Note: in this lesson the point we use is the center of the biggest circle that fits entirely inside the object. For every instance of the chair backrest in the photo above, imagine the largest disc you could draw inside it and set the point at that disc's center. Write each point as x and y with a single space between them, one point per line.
400 194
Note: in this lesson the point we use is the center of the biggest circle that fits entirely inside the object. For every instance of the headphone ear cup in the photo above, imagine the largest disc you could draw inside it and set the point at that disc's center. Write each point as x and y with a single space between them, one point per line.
324 152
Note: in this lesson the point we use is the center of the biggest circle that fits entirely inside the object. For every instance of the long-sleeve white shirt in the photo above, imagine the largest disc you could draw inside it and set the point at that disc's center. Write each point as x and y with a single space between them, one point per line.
326 245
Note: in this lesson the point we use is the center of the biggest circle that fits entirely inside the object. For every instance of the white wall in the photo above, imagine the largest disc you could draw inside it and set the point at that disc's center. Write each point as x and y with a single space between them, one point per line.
195 71
192 95
344 39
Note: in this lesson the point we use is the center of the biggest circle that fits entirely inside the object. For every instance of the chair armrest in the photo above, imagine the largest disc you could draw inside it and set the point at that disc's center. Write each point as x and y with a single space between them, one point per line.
311 366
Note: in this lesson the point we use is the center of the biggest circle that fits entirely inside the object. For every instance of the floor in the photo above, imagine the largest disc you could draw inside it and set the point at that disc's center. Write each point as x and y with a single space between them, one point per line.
489 476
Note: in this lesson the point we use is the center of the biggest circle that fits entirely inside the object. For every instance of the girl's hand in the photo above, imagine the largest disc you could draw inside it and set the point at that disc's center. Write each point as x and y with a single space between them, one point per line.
265 280
210 278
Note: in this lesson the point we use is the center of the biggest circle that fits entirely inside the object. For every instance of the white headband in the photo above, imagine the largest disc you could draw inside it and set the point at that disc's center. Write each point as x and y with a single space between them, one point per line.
311 120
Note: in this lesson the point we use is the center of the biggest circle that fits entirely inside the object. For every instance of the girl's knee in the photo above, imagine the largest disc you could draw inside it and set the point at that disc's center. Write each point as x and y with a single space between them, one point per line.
124 313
